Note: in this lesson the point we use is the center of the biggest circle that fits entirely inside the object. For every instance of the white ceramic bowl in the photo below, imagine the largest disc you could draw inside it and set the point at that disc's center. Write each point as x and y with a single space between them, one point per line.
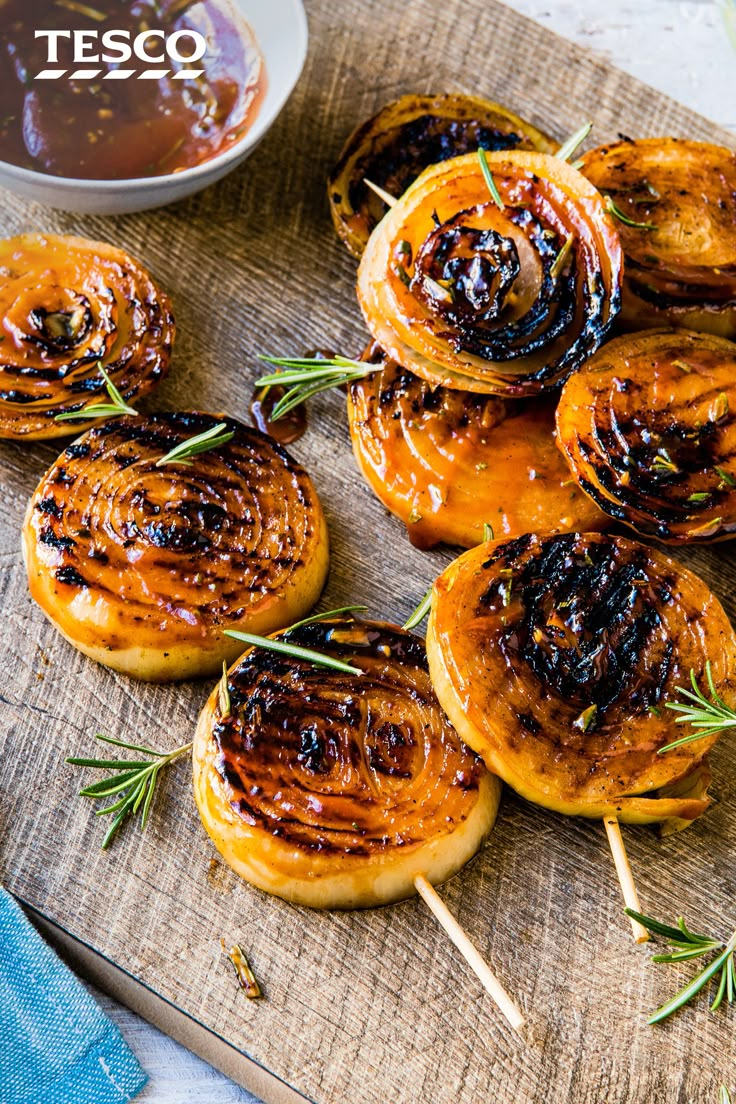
280 27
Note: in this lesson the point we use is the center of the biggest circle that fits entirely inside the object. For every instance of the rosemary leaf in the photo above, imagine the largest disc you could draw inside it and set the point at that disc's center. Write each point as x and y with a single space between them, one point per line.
133 780
686 994
568 148
309 376
294 650
488 177
420 612
560 260
705 716
328 615
113 409
211 438
616 211
487 531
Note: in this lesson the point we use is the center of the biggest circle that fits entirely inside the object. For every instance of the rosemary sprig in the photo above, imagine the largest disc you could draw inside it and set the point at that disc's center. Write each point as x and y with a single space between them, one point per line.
705 716
282 647
113 409
308 376
613 209
488 177
134 780
211 438
567 149
688 945
420 612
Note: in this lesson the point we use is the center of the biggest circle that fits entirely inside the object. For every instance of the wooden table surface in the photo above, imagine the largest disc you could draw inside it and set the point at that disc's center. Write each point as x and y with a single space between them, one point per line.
681 48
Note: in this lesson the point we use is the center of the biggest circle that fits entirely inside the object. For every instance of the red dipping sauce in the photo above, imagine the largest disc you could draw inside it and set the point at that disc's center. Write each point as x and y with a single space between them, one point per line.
101 125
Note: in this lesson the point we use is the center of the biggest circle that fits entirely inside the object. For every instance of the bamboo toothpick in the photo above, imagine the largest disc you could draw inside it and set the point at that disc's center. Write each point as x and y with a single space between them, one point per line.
471 955
625 877
384 195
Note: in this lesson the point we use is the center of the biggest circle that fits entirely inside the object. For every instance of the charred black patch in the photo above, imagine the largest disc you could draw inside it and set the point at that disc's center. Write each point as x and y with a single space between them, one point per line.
70 577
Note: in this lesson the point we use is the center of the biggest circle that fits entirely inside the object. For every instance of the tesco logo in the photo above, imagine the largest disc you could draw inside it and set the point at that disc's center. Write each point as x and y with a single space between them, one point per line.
117 48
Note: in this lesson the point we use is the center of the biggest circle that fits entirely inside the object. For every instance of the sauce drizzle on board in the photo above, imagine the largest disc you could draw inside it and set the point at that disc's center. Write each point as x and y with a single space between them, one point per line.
105 127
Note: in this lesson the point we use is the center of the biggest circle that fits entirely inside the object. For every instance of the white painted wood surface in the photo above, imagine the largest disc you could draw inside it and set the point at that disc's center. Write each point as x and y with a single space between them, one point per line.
680 47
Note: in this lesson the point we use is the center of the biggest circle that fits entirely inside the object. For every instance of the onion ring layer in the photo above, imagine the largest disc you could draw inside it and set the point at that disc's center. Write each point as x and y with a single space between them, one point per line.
477 297
334 790
682 270
448 462
66 306
143 567
649 429
554 656
393 147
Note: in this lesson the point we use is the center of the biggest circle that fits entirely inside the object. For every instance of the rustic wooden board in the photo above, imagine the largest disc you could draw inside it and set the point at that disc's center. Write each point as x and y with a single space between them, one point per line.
370 1006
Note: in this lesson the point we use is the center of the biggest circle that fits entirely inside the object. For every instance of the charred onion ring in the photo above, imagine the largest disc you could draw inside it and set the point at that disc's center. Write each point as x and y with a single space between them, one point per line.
473 297
447 462
553 656
67 305
649 428
393 147
143 567
334 790
682 272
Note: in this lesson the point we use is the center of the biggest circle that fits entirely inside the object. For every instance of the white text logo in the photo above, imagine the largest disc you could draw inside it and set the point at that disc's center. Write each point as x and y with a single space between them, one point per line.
118 48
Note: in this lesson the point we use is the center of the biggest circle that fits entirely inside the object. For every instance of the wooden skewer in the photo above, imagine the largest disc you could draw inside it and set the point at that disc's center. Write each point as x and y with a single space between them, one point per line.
625 877
471 955
384 195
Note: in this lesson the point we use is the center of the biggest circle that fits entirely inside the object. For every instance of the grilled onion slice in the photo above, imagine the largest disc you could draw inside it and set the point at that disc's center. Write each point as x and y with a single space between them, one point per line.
501 301
393 147
553 657
332 789
649 429
66 306
143 567
448 462
682 271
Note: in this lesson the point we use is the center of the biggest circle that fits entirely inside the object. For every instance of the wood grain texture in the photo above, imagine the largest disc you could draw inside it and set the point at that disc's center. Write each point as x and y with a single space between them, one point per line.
370 1006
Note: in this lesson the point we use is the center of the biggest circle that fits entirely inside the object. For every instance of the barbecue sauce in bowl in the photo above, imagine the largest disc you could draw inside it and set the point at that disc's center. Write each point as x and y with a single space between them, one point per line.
109 127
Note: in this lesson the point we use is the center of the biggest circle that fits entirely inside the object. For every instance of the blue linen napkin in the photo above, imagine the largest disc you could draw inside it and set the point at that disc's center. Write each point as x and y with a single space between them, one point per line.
56 1045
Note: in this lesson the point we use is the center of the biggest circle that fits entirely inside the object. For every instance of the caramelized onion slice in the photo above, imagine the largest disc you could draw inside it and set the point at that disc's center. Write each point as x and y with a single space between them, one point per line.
66 306
683 271
554 657
448 462
393 147
649 428
143 567
504 300
335 790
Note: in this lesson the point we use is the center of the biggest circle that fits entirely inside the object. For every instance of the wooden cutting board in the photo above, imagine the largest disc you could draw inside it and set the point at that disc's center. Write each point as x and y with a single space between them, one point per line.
373 1007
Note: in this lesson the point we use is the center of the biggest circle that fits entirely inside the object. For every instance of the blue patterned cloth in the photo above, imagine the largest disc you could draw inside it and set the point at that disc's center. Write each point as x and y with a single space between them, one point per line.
56 1045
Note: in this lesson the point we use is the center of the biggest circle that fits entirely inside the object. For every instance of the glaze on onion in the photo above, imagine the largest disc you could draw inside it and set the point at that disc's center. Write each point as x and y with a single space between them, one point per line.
144 567
449 462
554 657
501 301
649 429
683 271
393 147
335 790
66 306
